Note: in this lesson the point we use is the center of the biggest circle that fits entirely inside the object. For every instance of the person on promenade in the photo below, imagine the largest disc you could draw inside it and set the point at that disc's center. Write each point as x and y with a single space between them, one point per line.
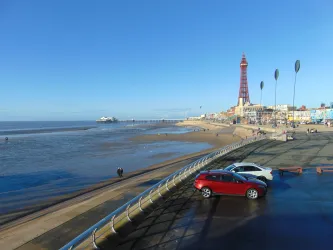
119 172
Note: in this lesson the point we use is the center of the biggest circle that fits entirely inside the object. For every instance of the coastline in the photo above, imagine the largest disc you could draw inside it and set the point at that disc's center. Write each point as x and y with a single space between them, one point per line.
29 223
225 137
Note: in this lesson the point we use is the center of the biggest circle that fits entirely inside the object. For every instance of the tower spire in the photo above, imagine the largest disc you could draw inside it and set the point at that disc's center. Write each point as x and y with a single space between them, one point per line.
243 96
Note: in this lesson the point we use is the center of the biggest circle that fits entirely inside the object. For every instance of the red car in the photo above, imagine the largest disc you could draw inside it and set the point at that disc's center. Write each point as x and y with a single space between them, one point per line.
223 182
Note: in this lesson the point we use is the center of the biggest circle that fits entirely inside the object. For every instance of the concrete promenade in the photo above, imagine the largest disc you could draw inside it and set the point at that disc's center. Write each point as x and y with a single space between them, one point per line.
297 212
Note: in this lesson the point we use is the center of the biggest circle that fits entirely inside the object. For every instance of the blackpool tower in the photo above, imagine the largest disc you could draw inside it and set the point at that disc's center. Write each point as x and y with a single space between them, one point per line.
243 96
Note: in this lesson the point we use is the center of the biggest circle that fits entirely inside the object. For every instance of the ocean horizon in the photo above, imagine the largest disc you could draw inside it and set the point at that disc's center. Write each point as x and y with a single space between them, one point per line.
45 160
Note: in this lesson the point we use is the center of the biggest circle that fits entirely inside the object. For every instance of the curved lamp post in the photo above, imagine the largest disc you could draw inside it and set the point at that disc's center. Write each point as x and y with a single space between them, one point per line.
297 67
261 87
276 76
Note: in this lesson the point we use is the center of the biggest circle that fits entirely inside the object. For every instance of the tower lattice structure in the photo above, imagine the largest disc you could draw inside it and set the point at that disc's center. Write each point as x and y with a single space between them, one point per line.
243 87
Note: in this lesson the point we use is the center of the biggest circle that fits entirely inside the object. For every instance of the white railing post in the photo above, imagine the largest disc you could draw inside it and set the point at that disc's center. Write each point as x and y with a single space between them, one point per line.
150 196
179 177
159 190
127 213
140 204
112 224
166 185
173 180
94 239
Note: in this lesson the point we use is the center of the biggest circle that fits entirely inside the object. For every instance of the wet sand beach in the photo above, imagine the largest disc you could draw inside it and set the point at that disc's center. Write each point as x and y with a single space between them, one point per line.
217 135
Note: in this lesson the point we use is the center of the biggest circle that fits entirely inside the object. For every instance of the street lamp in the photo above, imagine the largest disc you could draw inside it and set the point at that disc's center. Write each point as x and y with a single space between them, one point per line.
276 76
297 66
261 87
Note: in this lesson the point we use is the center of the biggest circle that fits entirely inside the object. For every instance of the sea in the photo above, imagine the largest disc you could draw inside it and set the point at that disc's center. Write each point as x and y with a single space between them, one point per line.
43 160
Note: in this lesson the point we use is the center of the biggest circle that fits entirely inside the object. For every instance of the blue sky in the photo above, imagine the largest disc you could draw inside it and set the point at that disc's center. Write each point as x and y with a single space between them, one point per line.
79 59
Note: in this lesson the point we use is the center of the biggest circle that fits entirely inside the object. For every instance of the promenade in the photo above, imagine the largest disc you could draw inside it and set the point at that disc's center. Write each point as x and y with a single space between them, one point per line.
186 220
297 212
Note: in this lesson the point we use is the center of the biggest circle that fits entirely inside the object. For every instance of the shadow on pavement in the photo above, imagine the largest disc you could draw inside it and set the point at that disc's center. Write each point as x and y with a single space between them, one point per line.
149 183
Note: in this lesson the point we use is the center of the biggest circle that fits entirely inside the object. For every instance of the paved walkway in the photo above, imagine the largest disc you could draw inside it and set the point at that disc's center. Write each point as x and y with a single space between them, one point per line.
297 212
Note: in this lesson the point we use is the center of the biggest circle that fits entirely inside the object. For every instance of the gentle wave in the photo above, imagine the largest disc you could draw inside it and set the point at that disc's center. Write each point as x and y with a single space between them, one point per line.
43 130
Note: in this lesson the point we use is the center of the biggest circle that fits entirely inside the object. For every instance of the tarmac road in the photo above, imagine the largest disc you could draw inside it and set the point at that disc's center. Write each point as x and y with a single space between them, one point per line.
297 212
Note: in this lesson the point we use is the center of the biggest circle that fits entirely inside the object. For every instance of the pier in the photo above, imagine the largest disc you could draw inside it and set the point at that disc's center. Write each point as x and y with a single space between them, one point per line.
153 121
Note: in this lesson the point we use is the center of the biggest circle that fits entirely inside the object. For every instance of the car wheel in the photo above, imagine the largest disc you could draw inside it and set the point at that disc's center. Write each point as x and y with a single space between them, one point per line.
206 192
252 194
262 178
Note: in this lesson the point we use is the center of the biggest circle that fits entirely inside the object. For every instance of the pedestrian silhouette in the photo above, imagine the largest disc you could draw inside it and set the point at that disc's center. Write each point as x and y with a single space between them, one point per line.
119 172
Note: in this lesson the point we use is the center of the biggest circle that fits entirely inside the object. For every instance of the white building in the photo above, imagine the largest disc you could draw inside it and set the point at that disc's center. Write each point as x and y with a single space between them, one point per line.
282 107
248 109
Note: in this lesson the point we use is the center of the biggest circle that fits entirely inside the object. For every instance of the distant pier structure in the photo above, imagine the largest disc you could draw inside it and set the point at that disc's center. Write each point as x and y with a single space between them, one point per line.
153 120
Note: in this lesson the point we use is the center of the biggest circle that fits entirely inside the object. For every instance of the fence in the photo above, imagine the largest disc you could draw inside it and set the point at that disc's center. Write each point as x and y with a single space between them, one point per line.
125 214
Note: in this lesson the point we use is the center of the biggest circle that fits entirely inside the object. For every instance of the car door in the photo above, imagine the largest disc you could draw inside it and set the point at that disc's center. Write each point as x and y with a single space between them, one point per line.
231 185
212 182
225 184
254 170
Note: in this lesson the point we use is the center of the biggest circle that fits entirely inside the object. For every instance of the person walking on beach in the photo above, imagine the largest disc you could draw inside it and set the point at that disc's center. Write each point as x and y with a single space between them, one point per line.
119 172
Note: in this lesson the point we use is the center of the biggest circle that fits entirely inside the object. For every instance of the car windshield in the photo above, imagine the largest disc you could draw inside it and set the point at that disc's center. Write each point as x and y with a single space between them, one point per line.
239 177
229 167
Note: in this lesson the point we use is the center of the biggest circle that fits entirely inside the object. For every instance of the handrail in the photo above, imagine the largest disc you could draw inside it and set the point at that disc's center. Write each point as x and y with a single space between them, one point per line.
148 195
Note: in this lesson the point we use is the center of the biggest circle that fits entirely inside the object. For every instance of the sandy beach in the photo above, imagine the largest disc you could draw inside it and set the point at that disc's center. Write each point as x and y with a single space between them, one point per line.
217 135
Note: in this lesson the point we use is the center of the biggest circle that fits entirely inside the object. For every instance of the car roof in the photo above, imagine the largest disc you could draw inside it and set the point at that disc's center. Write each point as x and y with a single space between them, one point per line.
215 171
239 164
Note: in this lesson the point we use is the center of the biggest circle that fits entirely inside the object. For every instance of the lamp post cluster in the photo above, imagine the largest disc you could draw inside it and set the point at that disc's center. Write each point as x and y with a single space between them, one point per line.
276 77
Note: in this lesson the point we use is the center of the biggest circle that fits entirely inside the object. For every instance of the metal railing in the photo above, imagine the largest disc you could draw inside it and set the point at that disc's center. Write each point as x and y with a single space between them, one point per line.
124 214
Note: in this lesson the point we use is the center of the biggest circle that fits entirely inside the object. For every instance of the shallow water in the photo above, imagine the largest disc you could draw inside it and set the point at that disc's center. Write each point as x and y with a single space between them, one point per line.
36 166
